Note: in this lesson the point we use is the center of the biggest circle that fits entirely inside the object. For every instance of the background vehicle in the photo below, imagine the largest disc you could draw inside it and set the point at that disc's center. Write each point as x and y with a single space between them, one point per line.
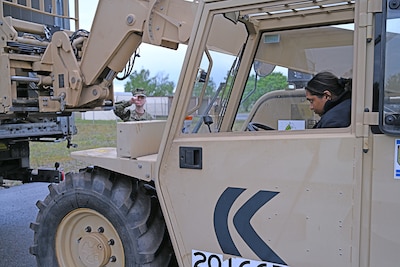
220 194
22 120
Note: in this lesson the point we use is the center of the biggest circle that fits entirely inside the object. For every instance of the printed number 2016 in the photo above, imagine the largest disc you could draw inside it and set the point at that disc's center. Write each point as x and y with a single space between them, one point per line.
209 260
214 260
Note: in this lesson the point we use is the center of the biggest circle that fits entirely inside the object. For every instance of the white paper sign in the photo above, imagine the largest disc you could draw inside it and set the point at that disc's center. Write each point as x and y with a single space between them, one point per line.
290 125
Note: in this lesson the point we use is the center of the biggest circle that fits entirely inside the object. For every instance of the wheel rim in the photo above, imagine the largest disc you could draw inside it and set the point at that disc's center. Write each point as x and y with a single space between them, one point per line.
88 239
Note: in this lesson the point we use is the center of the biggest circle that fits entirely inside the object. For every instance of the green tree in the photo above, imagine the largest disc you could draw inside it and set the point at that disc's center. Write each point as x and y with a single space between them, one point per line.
210 89
138 80
159 85
271 82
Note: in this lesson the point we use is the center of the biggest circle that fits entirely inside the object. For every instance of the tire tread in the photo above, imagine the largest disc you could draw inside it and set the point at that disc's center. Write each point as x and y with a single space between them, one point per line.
124 201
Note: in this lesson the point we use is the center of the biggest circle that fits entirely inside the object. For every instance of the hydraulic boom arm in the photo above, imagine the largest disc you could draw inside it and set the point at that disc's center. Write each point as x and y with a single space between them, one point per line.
119 27
75 71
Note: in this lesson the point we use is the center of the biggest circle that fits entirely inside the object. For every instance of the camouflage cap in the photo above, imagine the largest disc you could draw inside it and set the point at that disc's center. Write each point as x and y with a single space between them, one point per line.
139 92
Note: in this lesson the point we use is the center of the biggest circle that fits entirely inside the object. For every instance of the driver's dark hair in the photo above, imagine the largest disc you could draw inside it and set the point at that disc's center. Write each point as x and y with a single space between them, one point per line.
327 81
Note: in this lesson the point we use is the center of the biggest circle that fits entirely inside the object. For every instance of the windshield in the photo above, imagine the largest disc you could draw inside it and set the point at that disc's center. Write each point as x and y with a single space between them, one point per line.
390 115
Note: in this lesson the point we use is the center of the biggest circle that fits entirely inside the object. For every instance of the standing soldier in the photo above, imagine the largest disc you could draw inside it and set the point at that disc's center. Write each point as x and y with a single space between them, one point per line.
133 110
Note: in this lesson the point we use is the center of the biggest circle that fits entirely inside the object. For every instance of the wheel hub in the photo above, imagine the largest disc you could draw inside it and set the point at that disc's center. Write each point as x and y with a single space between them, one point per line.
94 250
85 238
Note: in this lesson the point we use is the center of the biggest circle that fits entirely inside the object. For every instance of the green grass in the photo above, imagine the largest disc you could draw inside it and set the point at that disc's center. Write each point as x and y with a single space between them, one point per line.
91 134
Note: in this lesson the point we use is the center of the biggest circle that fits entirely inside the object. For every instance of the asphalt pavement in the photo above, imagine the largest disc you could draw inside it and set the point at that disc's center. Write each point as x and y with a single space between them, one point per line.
18 209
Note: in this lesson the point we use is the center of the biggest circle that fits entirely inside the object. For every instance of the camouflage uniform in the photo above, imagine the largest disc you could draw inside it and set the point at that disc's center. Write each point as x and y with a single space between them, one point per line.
127 112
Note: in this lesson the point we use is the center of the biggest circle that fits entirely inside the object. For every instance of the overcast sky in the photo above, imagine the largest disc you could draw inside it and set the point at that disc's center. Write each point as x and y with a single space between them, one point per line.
155 59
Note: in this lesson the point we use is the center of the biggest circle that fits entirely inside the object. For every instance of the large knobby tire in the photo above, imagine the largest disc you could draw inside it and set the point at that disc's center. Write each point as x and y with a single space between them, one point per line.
100 218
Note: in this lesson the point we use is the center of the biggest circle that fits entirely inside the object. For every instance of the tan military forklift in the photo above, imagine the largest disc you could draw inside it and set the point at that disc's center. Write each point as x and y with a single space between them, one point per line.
217 184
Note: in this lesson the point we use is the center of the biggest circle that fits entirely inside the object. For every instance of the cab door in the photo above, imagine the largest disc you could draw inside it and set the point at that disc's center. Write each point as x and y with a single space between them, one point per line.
286 195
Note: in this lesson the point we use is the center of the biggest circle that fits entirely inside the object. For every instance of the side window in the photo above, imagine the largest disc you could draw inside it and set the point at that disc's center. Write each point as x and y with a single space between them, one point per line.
276 98
276 92
215 77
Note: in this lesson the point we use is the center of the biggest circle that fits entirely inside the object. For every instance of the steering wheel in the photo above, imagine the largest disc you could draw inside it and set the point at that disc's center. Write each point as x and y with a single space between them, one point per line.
256 126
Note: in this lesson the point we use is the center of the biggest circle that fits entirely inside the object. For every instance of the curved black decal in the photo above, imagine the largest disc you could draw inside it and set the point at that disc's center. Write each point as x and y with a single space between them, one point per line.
241 220
221 212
